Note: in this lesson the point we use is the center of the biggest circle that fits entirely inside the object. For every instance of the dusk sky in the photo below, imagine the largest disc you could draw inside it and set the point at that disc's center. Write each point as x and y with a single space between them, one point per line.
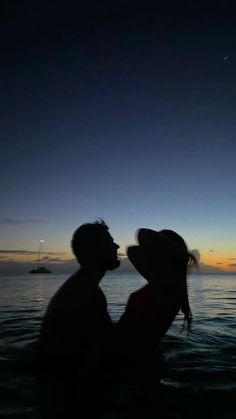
122 113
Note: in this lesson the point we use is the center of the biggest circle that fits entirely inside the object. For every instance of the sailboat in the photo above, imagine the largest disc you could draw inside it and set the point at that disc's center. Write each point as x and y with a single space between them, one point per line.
40 269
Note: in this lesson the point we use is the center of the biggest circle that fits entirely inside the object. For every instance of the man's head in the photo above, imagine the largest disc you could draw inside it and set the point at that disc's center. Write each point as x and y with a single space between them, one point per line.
93 245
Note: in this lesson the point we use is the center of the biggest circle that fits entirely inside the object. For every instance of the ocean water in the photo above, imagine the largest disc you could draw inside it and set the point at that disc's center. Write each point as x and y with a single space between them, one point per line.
198 371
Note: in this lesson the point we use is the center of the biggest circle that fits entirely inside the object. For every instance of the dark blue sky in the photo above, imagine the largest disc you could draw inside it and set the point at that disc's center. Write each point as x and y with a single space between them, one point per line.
125 114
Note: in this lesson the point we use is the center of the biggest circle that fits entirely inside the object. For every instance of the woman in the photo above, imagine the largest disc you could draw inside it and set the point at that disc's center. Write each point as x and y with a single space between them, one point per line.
162 258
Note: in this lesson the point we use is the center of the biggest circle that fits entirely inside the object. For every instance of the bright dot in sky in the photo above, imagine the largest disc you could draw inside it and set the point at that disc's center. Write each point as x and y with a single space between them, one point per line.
226 58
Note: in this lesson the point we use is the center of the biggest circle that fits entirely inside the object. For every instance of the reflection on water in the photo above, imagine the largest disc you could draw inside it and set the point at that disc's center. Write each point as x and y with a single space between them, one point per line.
200 366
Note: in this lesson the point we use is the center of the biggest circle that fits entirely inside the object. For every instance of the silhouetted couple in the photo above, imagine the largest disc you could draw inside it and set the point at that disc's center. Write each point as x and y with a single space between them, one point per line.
78 343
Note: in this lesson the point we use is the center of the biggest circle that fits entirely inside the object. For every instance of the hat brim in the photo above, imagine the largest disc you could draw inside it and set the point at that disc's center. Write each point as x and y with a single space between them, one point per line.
140 259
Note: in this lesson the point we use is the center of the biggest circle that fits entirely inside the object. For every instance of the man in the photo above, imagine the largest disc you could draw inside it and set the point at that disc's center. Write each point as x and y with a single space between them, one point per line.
77 316
77 329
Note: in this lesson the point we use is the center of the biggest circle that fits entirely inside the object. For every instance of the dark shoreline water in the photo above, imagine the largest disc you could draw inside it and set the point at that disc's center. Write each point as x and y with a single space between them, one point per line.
197 372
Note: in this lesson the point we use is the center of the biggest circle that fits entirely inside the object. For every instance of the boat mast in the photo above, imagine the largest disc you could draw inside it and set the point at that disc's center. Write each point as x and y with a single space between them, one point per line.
40 245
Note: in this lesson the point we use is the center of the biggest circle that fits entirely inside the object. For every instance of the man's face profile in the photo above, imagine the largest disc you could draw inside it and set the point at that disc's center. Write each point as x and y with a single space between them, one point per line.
108 252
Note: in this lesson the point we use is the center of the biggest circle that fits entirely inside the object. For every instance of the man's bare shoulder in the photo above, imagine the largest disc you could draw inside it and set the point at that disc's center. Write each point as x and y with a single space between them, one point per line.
74 294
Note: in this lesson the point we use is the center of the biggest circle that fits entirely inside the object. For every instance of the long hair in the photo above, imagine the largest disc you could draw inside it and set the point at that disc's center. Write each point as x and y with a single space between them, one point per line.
183 263
185 307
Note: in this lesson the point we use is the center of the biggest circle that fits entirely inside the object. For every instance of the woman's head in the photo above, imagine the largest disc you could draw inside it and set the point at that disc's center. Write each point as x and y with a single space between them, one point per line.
162 257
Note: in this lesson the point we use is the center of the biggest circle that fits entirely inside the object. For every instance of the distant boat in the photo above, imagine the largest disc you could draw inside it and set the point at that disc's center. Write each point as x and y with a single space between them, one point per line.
40 269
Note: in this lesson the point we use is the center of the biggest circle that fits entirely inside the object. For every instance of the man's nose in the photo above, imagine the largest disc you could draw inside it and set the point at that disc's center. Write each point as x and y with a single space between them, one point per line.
117 246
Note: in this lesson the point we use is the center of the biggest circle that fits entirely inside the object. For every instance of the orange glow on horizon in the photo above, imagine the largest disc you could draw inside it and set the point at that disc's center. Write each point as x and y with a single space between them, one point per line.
221 260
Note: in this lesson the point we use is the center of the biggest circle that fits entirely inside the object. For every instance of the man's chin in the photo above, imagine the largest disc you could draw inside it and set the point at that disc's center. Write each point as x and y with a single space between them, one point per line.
115 264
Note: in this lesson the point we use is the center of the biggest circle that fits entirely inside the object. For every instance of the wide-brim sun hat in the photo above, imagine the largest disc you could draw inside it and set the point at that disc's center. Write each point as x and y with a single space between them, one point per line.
165 240
153 245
